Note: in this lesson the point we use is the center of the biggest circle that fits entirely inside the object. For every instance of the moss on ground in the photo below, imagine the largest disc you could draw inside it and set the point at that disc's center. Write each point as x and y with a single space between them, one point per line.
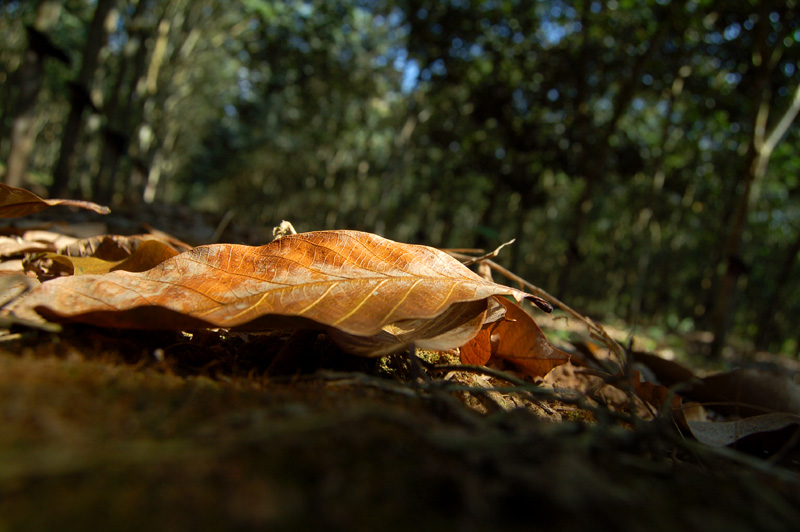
106 438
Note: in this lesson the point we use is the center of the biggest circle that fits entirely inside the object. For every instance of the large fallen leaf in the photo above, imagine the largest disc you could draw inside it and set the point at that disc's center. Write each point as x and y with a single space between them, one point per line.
15 202
517 339
375 295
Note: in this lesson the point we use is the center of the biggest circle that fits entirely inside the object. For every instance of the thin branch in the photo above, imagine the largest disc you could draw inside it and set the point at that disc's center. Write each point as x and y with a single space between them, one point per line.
782 126
490 255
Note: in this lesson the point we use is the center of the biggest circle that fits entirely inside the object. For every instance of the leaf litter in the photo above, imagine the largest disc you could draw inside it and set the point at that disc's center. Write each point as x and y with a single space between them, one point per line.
485 355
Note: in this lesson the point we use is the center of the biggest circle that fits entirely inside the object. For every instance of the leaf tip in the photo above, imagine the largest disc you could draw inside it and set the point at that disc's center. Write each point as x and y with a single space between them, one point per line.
541 303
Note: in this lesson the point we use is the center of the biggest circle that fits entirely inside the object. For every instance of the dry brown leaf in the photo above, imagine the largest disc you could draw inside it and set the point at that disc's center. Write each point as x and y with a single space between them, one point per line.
747 392
15 246
378 294
49 265
15 202
101 254
478 351
36 241
659 397
13 285
14 266
454 327
667 372
117 248
148 254
54 238
105 247
722 433
515 338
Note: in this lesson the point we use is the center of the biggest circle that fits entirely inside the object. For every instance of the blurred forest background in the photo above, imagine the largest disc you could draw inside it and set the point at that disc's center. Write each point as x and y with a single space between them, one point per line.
644 153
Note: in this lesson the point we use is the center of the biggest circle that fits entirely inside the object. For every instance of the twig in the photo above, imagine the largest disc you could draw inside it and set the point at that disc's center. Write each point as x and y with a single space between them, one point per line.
520 386
540 302
463 250
490 255
346 379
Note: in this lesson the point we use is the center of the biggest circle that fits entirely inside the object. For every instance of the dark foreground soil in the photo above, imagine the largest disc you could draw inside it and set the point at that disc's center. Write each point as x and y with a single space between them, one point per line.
110 438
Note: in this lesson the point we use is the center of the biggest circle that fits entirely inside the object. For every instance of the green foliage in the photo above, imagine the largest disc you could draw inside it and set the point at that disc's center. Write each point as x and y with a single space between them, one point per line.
610 138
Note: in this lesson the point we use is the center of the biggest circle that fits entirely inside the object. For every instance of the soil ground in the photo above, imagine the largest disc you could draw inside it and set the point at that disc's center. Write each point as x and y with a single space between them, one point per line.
140 431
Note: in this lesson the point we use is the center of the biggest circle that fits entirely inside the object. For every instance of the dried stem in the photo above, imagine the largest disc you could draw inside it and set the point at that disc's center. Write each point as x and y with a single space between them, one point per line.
490 255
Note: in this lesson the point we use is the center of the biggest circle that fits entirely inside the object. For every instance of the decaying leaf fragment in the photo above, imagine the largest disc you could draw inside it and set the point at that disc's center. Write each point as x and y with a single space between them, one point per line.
15 202
373 294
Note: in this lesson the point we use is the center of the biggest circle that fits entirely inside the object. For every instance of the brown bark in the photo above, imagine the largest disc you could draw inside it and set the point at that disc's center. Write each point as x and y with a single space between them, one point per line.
79 101
29 78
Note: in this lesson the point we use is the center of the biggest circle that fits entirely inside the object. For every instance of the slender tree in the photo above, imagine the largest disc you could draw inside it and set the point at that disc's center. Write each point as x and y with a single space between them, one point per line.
766 54
80 96
28 80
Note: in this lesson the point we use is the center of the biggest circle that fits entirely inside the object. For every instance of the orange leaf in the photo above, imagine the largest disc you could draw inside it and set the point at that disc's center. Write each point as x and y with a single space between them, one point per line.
478 351
15 202
515 338
375 295
148 254
660 397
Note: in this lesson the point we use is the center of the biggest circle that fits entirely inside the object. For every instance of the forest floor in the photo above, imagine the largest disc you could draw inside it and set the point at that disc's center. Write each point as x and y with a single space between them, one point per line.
114 430
98 433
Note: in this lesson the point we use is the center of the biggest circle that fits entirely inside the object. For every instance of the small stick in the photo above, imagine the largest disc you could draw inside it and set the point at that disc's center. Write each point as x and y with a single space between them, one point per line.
490 255
464 250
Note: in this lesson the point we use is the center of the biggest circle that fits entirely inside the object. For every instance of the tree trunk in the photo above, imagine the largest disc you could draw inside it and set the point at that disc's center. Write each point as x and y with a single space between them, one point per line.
80 97
165 130
134 180
119 112
758 155
29 78
734 266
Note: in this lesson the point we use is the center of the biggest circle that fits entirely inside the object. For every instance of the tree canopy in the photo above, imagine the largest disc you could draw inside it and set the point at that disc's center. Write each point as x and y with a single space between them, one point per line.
644 154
